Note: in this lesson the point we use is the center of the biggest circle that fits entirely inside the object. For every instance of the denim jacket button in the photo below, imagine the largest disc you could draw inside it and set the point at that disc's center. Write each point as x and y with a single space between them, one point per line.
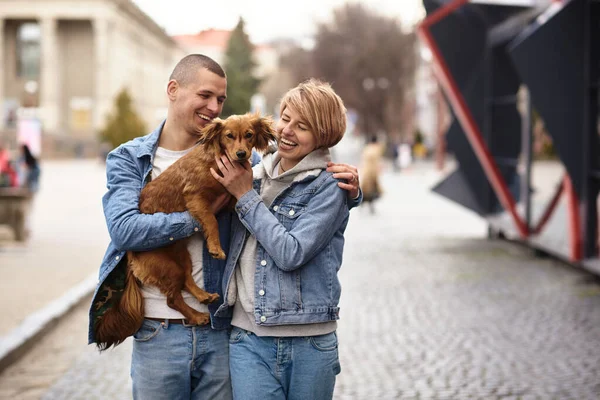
263 262
196 229
261 292
263 318
275 208
292 212
171 239
117 258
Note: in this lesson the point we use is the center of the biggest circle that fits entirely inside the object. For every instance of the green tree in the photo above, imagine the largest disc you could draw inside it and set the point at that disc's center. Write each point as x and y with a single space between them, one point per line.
239 66
123 124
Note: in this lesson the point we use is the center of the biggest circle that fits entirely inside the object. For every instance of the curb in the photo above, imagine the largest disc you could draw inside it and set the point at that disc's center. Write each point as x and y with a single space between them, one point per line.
19 340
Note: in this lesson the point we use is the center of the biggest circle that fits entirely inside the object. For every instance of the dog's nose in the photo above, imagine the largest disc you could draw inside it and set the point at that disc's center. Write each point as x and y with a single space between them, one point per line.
240 154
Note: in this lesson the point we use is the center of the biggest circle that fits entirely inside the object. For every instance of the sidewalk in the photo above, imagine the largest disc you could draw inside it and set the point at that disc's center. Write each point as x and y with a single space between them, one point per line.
430 308
58 265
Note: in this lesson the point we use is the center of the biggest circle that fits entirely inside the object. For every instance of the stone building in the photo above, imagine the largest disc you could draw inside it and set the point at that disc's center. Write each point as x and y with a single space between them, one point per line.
64 61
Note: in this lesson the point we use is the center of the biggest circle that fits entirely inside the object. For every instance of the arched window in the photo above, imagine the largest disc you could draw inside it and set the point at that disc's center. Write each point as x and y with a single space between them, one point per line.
28 50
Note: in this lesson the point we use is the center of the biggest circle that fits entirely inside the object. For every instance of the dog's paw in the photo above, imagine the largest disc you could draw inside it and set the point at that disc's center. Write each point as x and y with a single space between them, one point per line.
200 319
219 254
211 298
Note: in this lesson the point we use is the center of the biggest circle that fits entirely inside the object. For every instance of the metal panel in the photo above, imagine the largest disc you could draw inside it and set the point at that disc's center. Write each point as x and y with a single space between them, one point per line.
550 54
461 38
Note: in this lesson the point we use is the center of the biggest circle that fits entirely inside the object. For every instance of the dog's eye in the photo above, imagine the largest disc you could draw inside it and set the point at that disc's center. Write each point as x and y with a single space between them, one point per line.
230 135
248 135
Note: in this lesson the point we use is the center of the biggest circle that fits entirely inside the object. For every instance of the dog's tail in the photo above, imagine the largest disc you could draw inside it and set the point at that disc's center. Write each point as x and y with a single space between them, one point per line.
124 318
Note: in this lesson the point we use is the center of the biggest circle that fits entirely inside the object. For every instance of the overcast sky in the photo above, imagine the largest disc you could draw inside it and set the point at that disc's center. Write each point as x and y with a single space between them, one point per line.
265 19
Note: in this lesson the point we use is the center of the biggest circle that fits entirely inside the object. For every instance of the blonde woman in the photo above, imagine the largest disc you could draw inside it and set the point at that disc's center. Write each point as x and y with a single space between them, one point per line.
281 278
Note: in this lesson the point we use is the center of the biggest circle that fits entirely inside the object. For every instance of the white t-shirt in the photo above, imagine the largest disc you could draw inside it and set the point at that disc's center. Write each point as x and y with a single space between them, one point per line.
155 303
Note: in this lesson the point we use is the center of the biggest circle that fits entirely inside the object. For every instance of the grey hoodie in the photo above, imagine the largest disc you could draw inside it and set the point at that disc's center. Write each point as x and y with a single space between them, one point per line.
241 290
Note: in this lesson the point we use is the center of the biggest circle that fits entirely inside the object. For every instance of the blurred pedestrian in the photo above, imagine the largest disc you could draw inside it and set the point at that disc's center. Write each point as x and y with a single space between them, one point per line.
171 358
29 168
405 155
9 177
396 157
4 157
7 172
296 216
370 170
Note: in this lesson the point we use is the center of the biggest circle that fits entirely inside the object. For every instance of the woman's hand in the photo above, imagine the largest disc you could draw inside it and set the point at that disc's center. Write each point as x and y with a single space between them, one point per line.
236 176
349 173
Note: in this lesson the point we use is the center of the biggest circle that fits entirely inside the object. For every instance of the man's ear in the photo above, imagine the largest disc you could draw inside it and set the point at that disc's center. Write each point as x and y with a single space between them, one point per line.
172 88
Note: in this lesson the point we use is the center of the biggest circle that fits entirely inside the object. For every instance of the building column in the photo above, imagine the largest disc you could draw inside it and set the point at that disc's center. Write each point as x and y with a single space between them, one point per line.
49 74
102 101
2 74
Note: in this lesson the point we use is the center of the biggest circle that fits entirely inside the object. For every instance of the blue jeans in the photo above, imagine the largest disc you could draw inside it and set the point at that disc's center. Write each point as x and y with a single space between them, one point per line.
174 361
266 367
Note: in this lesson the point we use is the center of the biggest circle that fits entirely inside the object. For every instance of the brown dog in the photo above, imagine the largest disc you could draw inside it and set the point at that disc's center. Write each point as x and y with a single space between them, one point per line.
186 185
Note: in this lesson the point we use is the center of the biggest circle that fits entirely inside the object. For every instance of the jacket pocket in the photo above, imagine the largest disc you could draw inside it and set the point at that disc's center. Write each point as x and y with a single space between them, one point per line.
237 335
287 214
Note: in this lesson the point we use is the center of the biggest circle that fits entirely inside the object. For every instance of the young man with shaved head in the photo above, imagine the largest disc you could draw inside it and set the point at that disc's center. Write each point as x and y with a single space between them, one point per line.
172 359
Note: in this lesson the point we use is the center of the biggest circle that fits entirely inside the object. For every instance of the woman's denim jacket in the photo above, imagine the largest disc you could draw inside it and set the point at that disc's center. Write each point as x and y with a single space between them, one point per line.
300 240
128 169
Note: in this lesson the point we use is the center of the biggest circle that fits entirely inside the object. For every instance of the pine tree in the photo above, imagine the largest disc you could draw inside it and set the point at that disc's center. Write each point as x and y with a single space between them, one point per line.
124 124
239 67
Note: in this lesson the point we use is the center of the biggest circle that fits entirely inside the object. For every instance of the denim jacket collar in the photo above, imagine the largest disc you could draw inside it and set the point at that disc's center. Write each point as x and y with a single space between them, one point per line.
148 147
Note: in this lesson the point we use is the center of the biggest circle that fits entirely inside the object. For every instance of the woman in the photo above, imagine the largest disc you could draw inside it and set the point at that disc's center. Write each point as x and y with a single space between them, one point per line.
281 280
371 167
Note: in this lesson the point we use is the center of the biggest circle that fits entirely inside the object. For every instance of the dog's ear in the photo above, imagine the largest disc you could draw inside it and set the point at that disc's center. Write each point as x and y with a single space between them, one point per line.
265 133
211 131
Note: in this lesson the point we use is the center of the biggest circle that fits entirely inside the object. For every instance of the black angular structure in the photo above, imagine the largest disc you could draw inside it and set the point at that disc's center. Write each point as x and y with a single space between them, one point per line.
484 52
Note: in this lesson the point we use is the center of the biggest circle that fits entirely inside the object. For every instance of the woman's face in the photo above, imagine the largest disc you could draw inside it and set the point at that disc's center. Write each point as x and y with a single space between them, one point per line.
295 139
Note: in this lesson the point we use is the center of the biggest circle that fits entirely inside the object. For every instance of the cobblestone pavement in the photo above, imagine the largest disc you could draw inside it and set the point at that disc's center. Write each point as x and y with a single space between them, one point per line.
430 310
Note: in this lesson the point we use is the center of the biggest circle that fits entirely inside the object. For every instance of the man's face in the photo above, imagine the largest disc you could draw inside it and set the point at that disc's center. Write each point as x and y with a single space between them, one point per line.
201 100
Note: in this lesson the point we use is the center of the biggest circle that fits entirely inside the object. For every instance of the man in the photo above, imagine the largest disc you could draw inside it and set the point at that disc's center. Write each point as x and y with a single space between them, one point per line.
172 359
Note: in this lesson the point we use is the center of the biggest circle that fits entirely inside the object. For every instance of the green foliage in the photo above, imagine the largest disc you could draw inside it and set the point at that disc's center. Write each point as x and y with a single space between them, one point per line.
543 147
239 66
124 124
418 136
548 151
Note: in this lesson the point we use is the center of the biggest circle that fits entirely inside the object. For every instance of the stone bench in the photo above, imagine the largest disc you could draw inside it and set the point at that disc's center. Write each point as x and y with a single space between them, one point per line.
14 209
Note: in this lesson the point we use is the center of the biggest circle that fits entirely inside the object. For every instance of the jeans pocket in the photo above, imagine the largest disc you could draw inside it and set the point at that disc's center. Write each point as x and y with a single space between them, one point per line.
148 331
327 342
237 335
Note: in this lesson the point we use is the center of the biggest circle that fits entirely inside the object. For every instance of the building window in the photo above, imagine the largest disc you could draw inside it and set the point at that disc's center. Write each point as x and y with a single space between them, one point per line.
28 50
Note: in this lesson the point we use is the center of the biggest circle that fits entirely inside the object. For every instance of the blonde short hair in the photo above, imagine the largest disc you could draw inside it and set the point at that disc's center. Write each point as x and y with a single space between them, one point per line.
320 107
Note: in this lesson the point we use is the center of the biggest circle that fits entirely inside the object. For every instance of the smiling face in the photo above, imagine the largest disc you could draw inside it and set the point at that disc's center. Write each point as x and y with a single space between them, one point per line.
198 102
294 138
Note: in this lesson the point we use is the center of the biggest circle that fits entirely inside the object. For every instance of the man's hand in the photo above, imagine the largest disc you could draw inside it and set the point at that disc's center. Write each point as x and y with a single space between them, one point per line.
349 173
237 177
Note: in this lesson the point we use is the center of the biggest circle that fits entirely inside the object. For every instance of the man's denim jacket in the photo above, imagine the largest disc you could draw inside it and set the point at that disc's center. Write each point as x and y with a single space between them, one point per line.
128 169
300 239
